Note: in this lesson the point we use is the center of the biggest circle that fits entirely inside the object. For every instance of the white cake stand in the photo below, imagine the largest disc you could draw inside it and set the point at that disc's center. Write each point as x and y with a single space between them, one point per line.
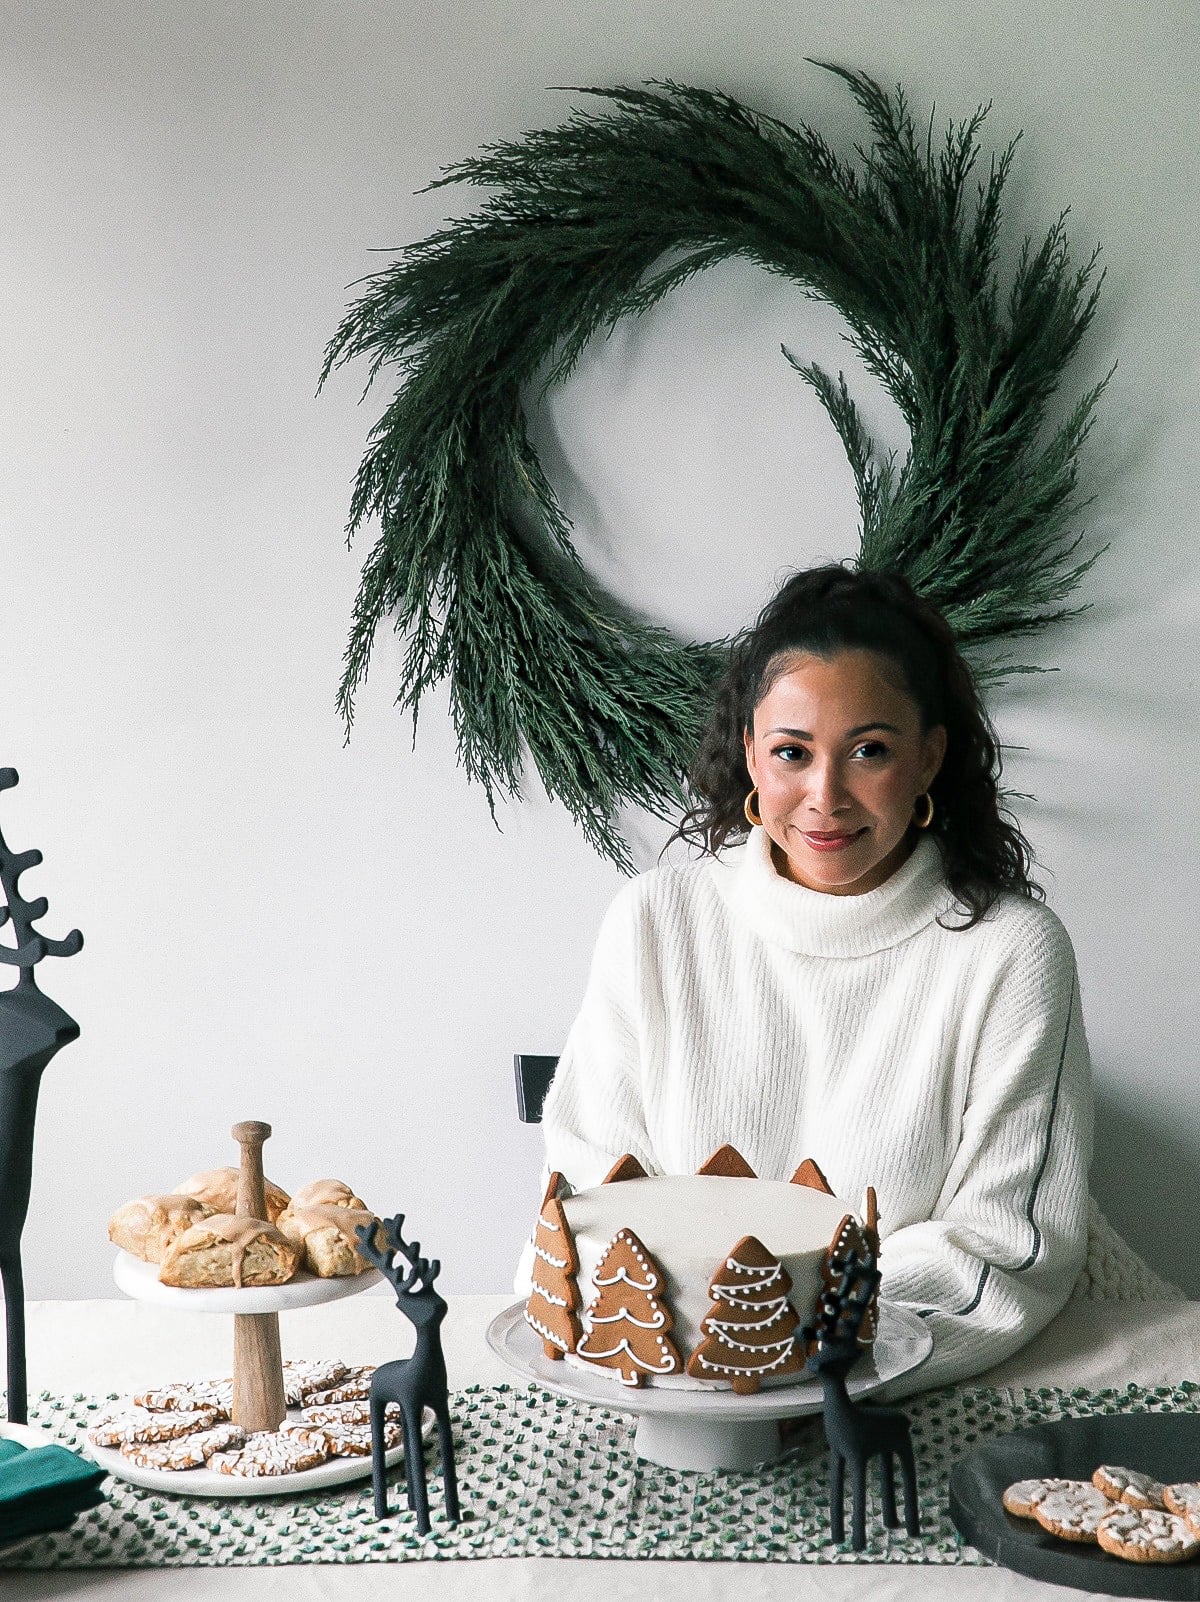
140 1281
258 1383
709 1429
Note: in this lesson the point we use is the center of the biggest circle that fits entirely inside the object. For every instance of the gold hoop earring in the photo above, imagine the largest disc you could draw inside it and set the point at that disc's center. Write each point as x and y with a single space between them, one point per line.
750 808
923 823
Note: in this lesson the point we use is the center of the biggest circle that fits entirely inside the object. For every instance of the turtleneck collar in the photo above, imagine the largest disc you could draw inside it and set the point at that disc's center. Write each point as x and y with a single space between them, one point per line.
817 924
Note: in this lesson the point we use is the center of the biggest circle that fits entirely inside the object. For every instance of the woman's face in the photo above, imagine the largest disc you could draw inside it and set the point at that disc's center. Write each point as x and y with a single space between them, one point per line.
839 759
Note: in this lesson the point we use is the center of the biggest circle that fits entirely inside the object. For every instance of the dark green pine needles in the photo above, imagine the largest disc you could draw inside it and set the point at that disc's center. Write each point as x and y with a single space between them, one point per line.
598 219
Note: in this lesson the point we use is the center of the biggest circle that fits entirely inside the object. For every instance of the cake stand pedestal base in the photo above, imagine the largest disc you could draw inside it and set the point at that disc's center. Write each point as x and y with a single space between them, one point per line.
706 1443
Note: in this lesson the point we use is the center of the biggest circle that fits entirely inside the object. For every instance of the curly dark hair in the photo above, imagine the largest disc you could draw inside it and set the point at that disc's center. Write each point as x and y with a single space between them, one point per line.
828 609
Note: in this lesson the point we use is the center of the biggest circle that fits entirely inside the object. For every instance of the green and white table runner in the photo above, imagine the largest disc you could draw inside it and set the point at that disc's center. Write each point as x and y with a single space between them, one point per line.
542 1476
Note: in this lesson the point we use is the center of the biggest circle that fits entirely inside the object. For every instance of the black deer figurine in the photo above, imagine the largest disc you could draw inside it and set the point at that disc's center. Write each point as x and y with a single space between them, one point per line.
417 1382
32 1028
857 1434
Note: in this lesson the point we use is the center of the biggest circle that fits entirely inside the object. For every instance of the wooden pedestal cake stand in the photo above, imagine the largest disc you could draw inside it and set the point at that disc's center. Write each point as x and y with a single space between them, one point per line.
259 1401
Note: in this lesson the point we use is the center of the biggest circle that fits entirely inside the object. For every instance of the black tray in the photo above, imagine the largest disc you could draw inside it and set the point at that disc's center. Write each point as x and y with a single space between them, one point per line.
1166 1445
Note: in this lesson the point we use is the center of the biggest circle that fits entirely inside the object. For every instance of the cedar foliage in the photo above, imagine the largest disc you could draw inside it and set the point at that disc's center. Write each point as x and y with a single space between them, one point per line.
598 219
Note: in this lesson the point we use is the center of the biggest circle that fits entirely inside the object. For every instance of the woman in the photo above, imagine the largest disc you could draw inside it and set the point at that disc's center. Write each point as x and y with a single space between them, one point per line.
869 979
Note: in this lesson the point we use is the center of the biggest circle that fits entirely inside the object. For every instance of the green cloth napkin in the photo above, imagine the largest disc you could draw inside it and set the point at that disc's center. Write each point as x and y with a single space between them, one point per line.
43 1488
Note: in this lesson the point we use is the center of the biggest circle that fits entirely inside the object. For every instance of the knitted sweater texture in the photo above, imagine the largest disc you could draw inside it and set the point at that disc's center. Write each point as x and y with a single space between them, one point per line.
947 1068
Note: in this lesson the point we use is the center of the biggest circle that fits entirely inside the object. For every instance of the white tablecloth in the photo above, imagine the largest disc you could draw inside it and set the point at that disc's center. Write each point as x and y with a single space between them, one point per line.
101 1346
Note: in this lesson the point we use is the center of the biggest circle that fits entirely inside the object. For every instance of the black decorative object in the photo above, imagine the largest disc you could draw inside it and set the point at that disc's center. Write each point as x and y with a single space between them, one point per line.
534 1076
417 1382
857 1434
32 1028
1164 1445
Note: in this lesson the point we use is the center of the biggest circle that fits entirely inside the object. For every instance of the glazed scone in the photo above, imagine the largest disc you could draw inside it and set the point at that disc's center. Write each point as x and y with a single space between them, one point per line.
218 1187
224 1250
327 1193
325 1235
149 1225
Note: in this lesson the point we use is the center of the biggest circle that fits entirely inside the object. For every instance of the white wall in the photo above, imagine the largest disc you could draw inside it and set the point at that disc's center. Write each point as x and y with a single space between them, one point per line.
336 939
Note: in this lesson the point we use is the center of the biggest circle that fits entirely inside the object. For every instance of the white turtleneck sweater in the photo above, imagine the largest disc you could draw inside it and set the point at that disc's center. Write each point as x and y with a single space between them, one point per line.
948 1069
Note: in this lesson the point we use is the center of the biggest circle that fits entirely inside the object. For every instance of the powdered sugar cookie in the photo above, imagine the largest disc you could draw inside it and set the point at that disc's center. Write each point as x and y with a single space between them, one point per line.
138 1425
301 1378
1021 1499
289 1450
1184 1500
1074 1510
354 1440
345 1414
1147 1535
354 1386
185 1451
1128 1486
188 1394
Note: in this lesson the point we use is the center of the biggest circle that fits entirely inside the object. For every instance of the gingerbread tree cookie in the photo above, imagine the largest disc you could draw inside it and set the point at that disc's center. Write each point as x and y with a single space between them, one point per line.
750 1328
727 1162
626 1167
850 1239
626 1326
810 1174
554 1297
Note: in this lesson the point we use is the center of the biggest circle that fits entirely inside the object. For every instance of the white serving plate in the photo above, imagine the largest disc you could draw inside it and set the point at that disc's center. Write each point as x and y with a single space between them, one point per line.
30 1436
140 1280
211 1482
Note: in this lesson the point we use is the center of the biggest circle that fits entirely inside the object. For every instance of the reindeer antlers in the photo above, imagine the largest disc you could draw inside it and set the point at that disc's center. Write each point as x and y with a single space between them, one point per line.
30 947
843 1307
421 1270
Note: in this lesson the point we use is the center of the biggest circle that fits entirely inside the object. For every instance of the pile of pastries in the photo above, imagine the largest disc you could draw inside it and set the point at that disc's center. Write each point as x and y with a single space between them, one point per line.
194 1234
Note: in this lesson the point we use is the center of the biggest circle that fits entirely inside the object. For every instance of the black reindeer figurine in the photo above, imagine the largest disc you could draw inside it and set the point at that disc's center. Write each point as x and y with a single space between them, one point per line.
417 1382
32 1028
857 1434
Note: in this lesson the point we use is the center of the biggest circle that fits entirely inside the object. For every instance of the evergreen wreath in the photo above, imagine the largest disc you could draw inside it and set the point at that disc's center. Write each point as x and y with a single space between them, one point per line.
600 218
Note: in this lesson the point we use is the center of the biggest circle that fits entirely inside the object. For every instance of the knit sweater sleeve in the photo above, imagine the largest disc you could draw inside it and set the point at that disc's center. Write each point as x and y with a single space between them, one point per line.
1008 1236
594 1112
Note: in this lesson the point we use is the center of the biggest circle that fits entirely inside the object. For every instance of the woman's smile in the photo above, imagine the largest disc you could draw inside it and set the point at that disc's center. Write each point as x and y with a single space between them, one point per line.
831 842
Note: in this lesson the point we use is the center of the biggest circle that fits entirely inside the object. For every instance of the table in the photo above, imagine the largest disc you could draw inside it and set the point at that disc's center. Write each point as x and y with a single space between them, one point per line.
102 1346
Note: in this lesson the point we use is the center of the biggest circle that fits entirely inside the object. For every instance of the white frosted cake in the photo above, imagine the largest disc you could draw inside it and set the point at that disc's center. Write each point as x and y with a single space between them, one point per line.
694 1280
